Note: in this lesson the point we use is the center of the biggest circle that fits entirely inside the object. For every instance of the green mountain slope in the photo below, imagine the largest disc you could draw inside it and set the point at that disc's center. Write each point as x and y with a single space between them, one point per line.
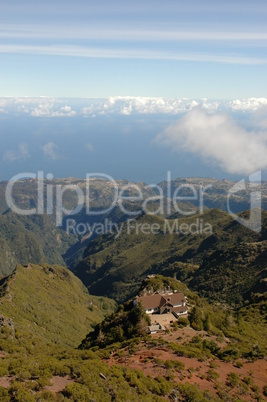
30 238
36 238
232 274
117 266
49 304
45 312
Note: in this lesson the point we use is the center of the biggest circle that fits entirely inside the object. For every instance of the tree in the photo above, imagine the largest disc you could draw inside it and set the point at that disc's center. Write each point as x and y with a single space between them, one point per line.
195 318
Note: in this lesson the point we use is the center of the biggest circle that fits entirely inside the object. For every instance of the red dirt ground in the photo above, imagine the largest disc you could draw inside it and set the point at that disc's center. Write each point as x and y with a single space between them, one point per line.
59 383
5 381
195 371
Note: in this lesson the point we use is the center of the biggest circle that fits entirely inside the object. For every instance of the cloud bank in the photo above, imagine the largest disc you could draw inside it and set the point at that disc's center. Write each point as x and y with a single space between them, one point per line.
250 104
123 105
218 138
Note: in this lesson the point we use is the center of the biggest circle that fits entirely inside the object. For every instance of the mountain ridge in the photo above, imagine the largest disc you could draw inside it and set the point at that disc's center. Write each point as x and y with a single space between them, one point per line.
119 264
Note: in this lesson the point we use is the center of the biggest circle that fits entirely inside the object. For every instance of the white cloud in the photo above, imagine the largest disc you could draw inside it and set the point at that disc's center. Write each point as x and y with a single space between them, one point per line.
47 109
127 105
10 156
3 103
127 53
38 107
23 109
50 151
90 110
43 110
217 138
130 34
21 154
250 104
23 151
210 106
65 111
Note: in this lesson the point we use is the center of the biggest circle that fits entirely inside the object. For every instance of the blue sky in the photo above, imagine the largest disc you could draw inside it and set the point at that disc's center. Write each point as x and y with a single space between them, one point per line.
169 85
148 48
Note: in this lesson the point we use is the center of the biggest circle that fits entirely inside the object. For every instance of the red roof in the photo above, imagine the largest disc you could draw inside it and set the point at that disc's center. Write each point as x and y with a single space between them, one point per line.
152 302
158 300
175 298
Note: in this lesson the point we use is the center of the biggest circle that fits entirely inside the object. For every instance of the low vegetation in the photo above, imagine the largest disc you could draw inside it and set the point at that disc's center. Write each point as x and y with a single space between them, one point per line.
44 303
127 323
37 346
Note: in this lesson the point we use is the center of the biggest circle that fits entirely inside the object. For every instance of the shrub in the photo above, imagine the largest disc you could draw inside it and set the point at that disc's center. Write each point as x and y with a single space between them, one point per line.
232 379
212 375
195 318
3 371
20 393
191 393
243 388
77 392
211 346
213 364
164 385
183 322
174 364
229 354
42 382
45 396
247 380
61 370
175 326
254 354
255 388
4 395
23 375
